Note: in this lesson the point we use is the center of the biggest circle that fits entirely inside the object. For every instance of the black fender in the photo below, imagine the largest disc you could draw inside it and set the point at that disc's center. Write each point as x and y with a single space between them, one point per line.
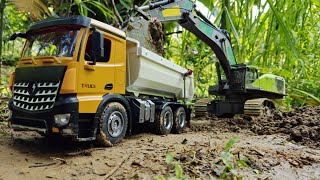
113 98
173 105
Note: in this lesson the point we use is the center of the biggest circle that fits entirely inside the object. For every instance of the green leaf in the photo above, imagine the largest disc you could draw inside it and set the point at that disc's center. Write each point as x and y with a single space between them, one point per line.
86 9
178 170
257 171
231 142
242 163
226 156
244 159
316 101
285 73
169 158
126 3
316 2
106 11
159 178
235 33
234 172
286 32
207 3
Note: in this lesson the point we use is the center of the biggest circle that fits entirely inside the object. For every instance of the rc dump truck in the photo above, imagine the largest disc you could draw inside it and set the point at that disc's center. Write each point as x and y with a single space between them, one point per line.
84 79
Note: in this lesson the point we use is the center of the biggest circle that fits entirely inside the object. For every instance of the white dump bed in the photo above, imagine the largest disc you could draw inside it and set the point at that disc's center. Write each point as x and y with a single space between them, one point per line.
151 74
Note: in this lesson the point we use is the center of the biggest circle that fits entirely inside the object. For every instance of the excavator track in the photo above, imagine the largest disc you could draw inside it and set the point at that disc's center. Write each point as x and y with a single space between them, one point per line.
200 107
258 107
253 107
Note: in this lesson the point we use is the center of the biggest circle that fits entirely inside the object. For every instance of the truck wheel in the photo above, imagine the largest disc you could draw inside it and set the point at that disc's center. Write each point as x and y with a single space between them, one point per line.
179 120
113 124
164 121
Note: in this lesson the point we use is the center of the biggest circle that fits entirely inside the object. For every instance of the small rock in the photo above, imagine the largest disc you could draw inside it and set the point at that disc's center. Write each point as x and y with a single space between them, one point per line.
135 163
314 135
135 176
235 128
277 115
184 141
290 114
293 163
296 135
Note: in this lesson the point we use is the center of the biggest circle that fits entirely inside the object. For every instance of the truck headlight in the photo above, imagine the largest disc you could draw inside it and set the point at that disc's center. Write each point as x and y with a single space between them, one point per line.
62 119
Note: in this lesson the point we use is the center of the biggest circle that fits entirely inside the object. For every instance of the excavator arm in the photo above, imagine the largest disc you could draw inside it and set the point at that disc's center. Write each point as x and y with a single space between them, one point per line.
185 13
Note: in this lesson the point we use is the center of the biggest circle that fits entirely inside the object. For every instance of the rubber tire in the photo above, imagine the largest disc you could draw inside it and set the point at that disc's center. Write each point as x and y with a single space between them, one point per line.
226 115
159 127
177 128
103 137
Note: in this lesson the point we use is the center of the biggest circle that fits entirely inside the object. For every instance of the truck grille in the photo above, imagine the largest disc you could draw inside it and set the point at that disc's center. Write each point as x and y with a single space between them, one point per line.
35 96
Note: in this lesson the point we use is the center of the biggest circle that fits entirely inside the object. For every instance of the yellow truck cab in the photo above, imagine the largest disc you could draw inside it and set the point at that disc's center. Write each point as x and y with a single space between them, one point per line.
84 79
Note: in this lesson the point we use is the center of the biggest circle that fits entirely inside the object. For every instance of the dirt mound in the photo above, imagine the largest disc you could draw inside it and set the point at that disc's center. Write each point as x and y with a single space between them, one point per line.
157 36
302 124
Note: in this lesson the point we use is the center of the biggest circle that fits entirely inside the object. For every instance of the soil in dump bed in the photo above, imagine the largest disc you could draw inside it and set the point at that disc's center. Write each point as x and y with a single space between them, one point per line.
302 124
157 36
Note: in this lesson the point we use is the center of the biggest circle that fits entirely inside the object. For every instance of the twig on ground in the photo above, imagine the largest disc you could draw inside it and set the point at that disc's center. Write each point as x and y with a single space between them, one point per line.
86 152
63 161
118 166
42 165
99 174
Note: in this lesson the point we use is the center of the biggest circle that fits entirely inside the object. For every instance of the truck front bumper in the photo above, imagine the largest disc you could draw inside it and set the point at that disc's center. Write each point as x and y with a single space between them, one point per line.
43 121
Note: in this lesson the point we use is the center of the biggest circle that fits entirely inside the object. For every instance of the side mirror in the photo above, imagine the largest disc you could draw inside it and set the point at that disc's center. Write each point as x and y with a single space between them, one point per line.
18 34
97 46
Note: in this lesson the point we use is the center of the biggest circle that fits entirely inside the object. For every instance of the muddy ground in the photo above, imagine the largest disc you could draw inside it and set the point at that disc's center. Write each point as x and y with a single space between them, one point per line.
285 146
301 124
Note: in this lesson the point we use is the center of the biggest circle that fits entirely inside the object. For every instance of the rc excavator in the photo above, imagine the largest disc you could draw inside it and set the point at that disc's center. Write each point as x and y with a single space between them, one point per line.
242 91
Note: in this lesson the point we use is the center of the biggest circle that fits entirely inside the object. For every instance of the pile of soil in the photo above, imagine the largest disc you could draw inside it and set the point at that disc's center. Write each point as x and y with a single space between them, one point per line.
301 124
157 36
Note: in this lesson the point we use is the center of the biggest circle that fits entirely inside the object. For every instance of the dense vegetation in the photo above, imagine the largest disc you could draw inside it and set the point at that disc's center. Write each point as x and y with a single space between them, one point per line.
277 36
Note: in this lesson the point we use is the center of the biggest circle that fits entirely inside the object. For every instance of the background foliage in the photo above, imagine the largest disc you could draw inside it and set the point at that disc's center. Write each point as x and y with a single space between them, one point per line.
277 36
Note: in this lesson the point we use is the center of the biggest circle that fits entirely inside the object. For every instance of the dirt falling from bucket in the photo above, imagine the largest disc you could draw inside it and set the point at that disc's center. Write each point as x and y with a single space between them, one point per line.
157 36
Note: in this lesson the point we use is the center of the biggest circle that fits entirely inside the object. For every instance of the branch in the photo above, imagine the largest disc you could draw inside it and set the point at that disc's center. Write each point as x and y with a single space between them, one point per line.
42 165
117 167
116 11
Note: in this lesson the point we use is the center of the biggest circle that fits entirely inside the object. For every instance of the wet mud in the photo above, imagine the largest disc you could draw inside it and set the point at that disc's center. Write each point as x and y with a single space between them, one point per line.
271 147
301 124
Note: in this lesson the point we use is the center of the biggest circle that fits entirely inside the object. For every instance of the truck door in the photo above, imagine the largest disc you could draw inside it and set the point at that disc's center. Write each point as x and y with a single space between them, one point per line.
95 80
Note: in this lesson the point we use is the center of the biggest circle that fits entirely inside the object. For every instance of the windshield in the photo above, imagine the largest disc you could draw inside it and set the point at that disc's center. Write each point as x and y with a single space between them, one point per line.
56 41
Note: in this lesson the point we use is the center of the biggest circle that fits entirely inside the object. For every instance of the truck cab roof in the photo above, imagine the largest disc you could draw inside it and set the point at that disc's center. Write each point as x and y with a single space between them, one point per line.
80 21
